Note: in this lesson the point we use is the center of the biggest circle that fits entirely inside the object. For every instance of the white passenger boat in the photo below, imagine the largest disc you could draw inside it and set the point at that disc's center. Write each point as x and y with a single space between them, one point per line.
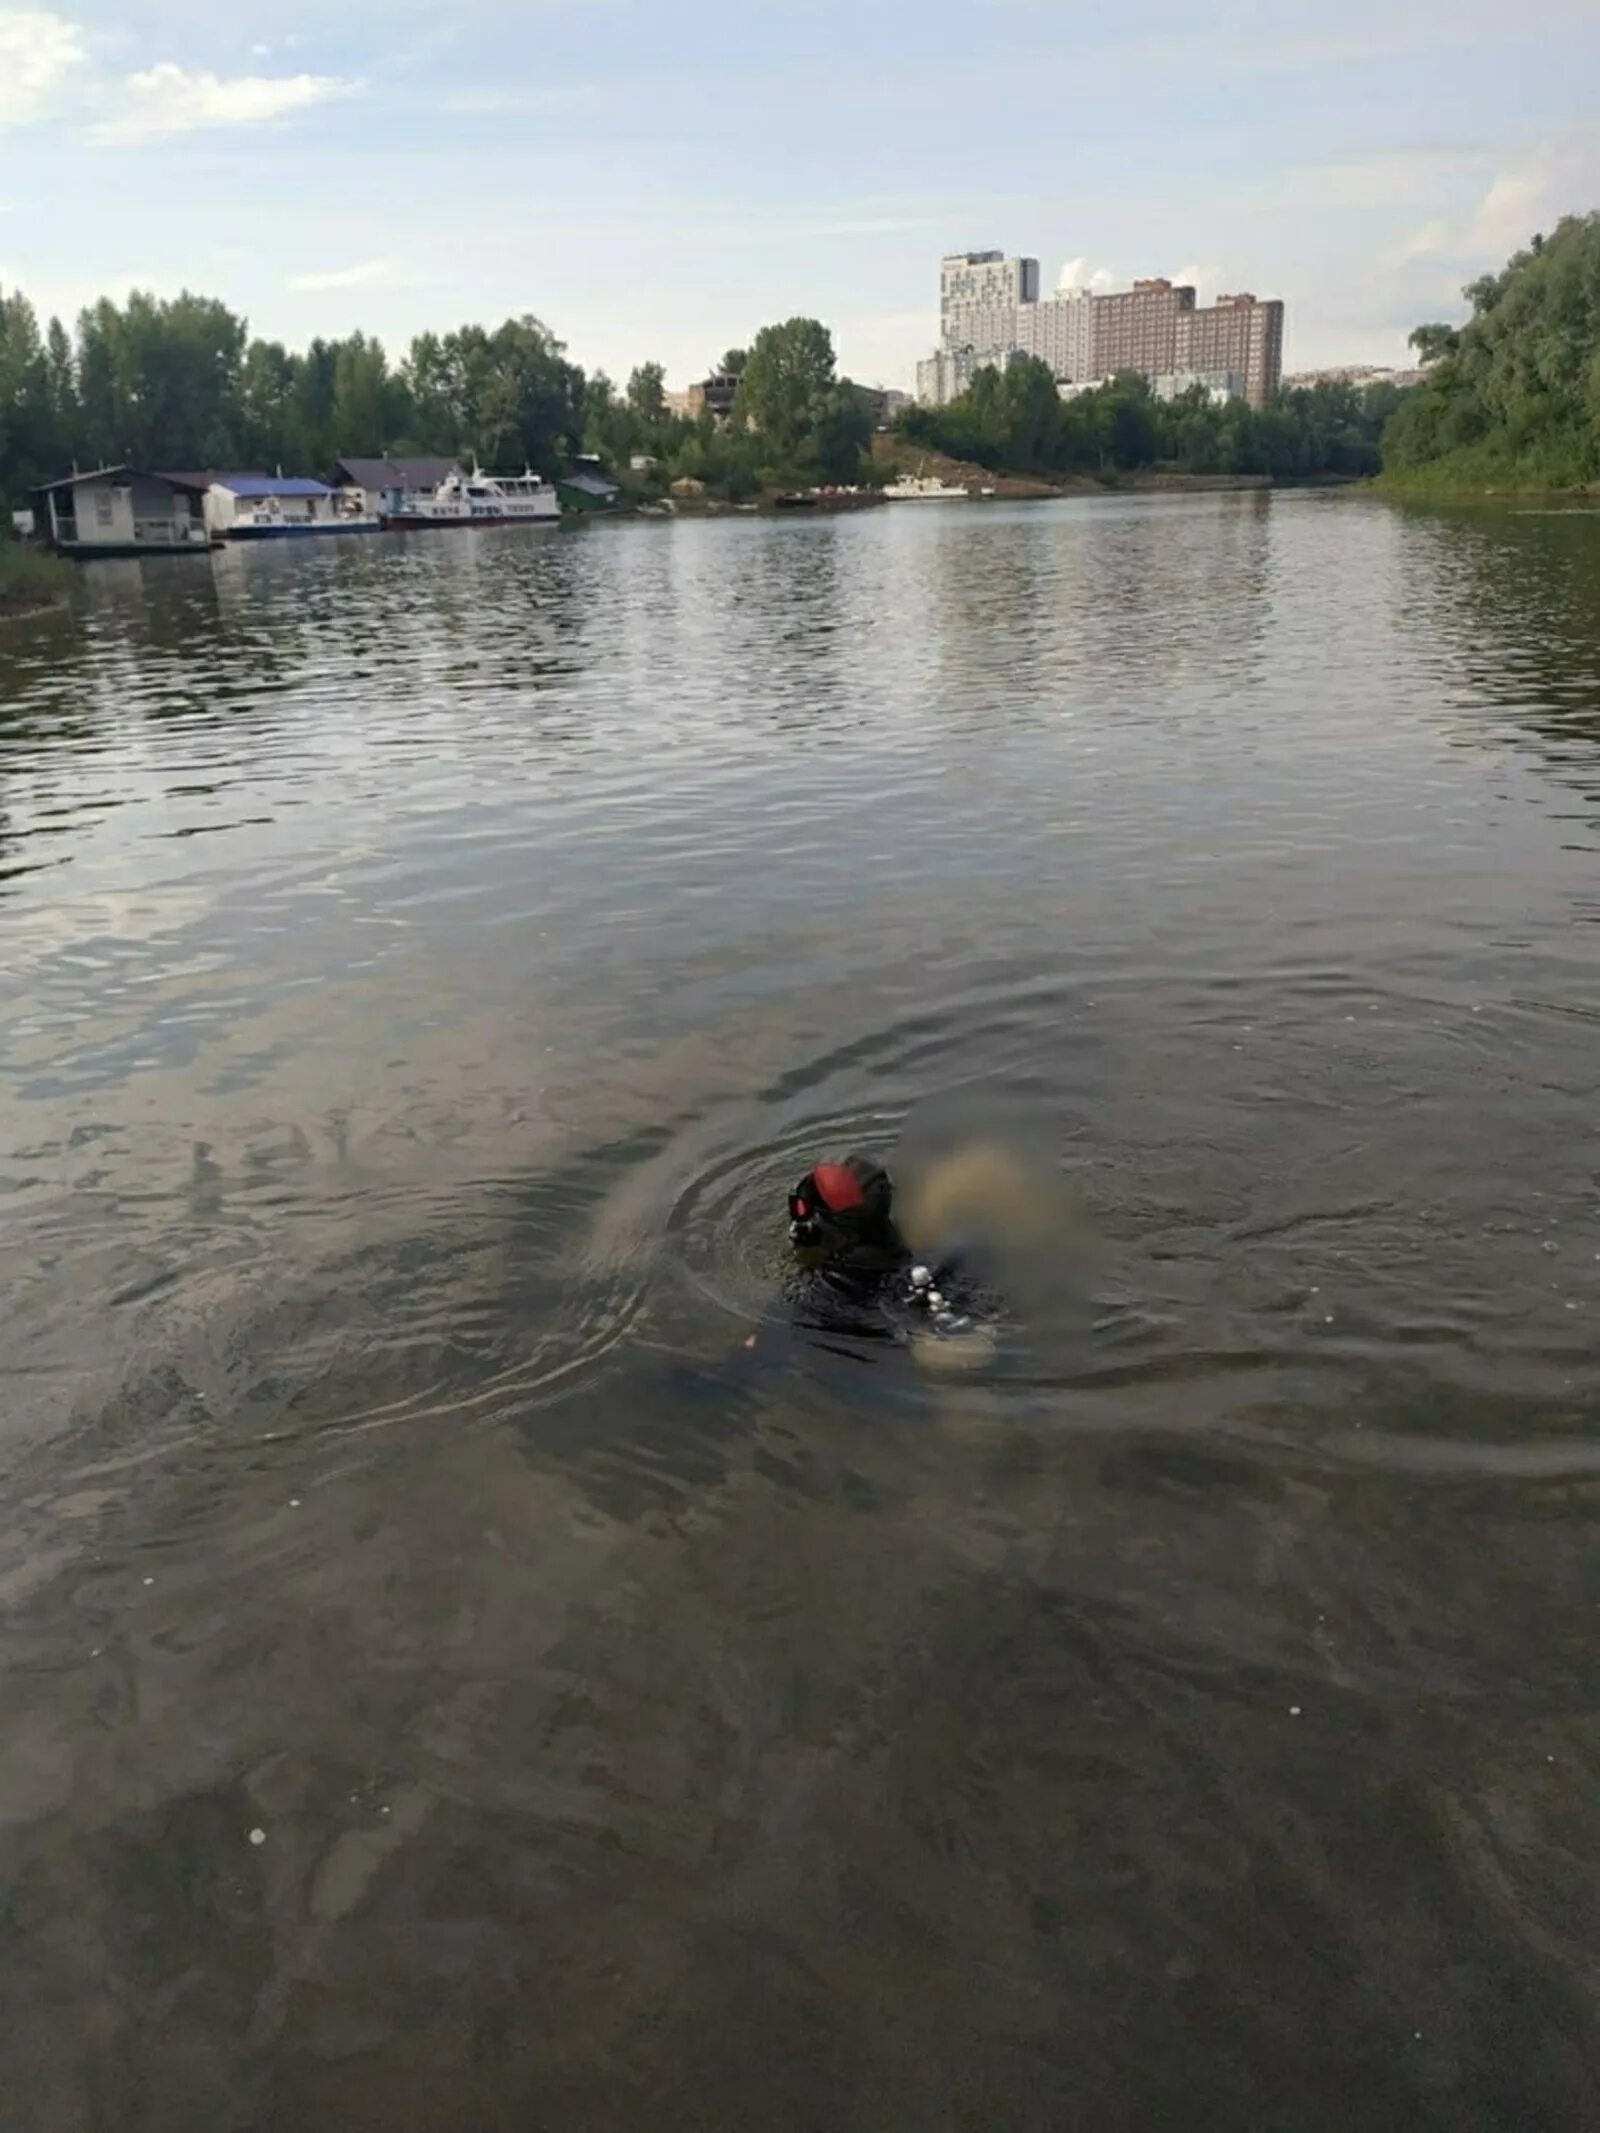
475 499
925 489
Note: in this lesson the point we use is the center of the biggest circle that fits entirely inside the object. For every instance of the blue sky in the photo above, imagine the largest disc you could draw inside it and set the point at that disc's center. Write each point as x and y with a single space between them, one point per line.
659 181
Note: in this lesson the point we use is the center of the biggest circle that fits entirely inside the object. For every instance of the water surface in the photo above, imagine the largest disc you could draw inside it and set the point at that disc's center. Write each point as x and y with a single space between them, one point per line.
427 964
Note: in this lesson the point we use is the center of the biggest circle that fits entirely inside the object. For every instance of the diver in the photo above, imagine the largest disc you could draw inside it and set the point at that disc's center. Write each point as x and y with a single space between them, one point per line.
843 1231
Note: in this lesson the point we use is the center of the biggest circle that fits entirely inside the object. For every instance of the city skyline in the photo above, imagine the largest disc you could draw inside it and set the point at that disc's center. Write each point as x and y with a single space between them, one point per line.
991 311
418 163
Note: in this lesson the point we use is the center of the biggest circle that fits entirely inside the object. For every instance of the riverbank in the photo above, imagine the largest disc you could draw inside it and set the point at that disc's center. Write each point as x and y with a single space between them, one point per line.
893 455
1476 478
31 581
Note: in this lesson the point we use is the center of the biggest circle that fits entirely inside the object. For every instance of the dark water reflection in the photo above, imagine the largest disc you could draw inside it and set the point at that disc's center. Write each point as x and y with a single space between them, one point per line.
426 966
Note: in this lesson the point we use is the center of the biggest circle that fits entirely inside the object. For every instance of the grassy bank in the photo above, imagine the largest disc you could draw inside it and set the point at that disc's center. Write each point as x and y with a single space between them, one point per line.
895 456
30 579
1479 471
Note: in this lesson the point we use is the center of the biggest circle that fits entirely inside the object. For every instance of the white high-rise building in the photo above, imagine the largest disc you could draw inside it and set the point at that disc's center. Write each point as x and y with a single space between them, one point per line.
945 375
1059 330
980 294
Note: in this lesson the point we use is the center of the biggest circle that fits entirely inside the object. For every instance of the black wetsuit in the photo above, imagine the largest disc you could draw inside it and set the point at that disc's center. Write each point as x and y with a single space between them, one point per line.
871 1293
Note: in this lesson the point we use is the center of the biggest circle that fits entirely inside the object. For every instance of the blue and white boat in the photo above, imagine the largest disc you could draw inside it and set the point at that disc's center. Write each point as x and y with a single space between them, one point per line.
277 507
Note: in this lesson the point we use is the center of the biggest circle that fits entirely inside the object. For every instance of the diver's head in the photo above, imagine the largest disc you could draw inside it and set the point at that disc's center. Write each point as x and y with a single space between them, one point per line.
842 1207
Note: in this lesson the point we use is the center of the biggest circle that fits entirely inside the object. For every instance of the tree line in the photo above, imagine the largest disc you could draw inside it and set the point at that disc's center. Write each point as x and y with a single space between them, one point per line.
1013 420
180 383
1512 398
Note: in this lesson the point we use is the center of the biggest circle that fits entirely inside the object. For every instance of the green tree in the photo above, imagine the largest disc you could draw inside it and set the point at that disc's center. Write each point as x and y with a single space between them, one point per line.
314 383
160 379
270 416
784 387
363 415
647 393
435 377
1029 409
1433 343
1513 396
526 399
842 433
26 414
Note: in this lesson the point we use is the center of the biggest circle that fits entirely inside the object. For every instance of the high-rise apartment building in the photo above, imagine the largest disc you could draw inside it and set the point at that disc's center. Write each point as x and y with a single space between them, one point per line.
1137 328
1236 333
979 296
990 310
1059 330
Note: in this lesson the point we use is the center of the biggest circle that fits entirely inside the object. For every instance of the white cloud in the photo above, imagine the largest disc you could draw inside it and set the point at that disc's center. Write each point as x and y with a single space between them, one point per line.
38 55
1199 276
366 274
1509 211
167 99
1559 178
1434 239
1079 274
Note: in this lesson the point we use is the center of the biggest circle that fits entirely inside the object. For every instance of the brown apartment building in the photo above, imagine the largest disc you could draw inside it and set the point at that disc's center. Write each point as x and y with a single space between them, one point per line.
1137 329
1239 334
1156 328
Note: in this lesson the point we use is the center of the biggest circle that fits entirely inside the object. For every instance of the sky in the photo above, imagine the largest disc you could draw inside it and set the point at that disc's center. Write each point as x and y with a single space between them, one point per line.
656 182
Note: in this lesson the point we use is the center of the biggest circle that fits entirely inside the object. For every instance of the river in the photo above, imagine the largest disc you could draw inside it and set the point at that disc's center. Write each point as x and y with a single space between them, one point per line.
475 1656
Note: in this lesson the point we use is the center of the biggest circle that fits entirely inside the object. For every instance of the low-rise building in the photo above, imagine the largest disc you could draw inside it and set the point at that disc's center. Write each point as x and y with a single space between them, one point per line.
716 393
1219 386
121 511
1359 374
881 402
587 489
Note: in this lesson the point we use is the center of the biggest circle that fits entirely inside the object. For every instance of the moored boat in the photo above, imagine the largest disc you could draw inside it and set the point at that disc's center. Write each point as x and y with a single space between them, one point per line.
475 499
268 518
924 489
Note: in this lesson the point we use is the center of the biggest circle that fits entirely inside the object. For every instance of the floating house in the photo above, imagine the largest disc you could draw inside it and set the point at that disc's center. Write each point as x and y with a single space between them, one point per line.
385 488
262 507
120 511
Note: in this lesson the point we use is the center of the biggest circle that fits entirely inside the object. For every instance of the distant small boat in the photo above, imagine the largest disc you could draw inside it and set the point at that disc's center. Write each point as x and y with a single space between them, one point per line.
475 499
795 500
925 489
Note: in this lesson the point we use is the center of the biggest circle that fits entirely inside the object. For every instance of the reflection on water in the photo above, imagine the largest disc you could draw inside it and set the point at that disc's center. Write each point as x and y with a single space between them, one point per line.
473 1658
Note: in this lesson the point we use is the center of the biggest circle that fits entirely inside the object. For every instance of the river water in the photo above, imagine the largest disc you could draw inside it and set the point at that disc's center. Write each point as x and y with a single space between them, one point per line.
476 1657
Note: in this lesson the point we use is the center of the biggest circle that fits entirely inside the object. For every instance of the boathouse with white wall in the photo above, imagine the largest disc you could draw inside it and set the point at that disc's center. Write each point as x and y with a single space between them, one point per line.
120 511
